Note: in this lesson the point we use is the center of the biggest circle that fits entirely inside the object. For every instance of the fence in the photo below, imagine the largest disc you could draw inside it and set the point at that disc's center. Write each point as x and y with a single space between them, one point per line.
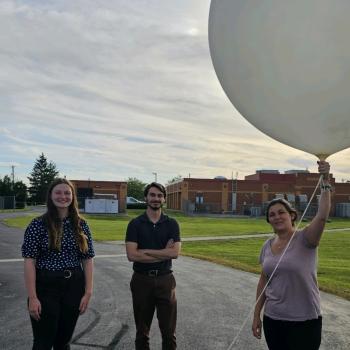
7 202
342 210
191 208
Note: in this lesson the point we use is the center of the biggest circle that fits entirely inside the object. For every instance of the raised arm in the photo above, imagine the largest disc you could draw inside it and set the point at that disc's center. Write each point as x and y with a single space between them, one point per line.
314 230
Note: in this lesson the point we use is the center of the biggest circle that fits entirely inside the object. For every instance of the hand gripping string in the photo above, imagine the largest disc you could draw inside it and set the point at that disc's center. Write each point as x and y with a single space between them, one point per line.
279 261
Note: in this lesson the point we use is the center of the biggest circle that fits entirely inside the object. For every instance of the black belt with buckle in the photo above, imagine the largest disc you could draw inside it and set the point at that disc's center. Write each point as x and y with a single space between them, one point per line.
154 273
66 273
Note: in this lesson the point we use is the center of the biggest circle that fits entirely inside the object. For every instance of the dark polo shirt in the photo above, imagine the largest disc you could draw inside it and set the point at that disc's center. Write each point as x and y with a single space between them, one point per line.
152 236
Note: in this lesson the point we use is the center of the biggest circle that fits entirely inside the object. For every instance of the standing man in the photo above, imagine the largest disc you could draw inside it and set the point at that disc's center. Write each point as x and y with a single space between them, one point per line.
152 240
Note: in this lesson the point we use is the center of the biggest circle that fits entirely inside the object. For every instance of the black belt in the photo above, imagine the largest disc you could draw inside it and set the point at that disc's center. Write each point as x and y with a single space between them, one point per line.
154 273
66 273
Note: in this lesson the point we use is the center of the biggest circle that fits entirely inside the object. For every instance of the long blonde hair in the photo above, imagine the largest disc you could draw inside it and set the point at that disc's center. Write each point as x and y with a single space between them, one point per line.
54 224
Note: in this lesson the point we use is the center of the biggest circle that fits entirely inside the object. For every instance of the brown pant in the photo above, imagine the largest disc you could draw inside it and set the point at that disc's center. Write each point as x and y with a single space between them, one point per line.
150 293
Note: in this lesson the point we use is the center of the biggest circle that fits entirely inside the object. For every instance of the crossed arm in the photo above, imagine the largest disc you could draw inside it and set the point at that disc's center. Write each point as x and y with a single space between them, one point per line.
171 251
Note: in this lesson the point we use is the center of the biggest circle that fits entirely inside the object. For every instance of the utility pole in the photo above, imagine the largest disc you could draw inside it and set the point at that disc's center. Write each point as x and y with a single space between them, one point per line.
13 176
155 177
12 173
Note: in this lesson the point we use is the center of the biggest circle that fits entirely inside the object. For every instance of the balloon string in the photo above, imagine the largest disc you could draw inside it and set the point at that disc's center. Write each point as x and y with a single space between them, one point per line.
278 263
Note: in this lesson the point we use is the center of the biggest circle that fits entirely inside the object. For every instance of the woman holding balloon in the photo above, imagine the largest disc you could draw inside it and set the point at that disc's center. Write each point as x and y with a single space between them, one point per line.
292 317
276 67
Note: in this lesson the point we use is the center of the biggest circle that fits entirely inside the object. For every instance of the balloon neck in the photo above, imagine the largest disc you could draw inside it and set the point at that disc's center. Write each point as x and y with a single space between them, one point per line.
322 156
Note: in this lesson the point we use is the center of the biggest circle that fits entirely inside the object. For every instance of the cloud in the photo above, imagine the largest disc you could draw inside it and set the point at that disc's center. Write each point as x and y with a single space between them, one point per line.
116 89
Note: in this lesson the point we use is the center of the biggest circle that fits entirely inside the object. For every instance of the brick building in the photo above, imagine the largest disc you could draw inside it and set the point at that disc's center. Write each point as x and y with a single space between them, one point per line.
101 189
249 196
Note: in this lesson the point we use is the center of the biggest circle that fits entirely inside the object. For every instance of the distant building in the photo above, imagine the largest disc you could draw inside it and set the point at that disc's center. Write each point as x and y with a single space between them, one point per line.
250 196
297 171
116 190
267 171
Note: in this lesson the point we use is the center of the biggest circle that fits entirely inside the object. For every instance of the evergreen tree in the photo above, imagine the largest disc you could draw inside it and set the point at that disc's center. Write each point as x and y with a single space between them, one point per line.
41 176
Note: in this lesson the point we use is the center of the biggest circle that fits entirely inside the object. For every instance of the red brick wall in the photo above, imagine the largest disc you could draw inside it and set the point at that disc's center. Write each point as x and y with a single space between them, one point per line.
255 190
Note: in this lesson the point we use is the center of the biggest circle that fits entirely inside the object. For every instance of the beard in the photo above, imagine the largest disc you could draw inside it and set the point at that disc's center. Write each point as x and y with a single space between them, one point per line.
154 206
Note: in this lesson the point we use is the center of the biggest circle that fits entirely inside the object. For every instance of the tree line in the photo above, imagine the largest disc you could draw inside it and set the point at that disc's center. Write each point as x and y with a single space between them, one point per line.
41 176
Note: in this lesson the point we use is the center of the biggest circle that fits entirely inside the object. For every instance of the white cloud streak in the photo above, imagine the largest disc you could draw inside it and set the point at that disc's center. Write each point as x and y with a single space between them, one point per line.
112 89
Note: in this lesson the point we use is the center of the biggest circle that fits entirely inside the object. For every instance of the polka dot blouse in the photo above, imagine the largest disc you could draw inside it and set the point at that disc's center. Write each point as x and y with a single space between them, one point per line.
36 246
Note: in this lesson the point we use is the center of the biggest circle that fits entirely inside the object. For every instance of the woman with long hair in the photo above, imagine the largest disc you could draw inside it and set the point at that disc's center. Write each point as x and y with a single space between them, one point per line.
292 315
58 268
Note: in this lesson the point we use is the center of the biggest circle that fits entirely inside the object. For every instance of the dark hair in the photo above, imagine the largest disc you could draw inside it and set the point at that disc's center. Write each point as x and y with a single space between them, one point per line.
293 213
160 187
54 223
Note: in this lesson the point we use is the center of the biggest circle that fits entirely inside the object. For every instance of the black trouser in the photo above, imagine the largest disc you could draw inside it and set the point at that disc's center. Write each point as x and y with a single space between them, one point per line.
60 299
292 335
150 293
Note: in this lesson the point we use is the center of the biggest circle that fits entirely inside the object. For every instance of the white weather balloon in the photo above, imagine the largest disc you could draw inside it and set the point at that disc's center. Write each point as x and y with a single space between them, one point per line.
285 66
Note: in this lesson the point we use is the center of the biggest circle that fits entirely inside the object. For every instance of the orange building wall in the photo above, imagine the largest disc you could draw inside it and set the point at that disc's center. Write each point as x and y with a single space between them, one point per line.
255 190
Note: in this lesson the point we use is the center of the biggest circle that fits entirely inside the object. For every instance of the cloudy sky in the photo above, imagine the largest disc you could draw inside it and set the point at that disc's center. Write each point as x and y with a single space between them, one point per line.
117 88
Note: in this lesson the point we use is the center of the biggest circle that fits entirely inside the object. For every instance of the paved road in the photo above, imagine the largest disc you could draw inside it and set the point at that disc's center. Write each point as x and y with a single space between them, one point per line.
213 302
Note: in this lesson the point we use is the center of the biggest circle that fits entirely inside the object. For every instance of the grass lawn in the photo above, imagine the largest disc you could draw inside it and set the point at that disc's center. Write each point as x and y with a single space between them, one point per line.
334 257
333 267
13 210
334 263
114 227
109 228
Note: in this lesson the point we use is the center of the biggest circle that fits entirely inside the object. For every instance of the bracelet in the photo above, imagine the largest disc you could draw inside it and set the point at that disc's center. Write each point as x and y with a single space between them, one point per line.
327 187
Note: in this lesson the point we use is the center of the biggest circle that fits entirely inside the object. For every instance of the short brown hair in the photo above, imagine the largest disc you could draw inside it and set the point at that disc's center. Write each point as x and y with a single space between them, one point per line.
160 187
287 206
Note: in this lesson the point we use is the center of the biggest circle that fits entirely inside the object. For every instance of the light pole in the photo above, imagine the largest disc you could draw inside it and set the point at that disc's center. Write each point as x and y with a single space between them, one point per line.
155 177
12 174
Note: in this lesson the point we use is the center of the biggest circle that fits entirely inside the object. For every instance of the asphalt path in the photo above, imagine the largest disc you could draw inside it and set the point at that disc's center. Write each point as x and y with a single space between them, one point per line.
213 302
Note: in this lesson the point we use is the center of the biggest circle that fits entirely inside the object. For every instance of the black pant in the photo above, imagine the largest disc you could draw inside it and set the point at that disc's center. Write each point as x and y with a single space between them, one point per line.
292 335
150 293
60 299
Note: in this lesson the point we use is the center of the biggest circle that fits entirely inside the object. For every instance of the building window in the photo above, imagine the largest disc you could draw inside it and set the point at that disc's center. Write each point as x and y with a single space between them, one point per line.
199 199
